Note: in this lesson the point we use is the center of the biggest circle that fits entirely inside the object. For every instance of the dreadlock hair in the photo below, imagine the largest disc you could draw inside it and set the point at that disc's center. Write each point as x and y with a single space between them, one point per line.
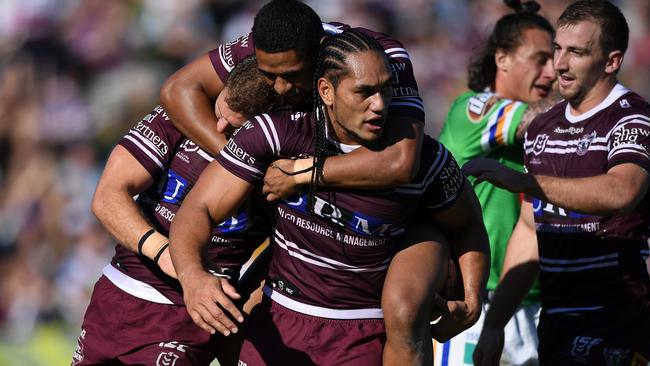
506 36
248 91
284 25
614 31
332 65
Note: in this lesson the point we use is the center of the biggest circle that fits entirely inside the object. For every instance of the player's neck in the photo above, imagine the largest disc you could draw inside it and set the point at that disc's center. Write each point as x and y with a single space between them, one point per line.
593 97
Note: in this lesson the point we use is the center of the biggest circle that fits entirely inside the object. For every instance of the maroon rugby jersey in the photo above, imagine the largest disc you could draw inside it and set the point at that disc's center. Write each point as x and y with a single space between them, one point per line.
590 262
175 164
332 264
406 98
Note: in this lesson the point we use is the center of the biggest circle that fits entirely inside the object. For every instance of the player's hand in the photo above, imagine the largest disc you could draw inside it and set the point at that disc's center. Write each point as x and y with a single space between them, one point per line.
494 172
277 183
165 263
457 316
208 301
489 347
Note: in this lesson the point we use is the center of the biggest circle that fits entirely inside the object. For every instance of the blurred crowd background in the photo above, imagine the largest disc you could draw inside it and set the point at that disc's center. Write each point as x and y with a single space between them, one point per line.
76 74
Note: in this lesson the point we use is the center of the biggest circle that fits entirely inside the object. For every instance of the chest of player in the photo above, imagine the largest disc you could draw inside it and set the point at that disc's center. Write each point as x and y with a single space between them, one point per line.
568 150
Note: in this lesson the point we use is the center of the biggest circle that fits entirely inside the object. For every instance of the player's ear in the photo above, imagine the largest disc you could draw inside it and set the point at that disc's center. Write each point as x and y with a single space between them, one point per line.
502 60
614 61
326 91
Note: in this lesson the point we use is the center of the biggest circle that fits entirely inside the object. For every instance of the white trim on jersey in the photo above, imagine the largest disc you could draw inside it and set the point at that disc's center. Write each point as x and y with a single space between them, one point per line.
578 264
204 155
617 92
595 141
134 287
434 169
322 312
228 156
145 150
628 148
633 118
304 255
146 141
224 63
572 310
269 132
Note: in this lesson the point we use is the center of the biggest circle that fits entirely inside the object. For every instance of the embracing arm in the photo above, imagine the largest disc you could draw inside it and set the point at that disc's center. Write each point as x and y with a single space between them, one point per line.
393 165
217 193
463 226
123 178
617 191
187 98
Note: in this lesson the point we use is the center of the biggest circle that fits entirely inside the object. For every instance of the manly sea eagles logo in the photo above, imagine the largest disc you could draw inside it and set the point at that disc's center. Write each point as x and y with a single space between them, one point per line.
540 144
584 143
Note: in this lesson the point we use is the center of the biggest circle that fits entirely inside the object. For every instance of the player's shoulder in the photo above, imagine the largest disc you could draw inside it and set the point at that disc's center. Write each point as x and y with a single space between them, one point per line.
477 106
392 47
278 124
628 106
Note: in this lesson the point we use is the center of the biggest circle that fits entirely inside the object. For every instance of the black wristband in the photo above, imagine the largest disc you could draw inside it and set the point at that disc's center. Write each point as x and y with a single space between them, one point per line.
160 252
143 239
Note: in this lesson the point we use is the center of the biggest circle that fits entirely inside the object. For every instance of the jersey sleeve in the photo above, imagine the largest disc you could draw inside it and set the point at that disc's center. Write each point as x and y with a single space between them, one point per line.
629 141
228 55
500 127
444 180
152 141
406 101
251 149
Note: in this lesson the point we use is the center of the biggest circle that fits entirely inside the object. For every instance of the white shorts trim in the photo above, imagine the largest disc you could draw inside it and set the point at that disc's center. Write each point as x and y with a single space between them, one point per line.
134 287
321 312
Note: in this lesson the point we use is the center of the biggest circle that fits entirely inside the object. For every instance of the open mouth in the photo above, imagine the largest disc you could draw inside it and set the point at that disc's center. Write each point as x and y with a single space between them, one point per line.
542 90
375 124
565 80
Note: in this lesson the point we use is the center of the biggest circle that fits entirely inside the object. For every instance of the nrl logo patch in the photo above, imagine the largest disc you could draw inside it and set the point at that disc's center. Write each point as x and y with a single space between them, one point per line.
584 143
167 359
540 144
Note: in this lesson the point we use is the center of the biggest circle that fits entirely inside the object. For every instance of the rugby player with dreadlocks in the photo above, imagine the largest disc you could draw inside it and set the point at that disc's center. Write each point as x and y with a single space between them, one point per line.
332 247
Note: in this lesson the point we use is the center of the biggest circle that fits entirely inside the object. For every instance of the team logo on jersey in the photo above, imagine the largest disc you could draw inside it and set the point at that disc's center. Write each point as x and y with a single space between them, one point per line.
584 143
540 144
582 346
479 105
167 359
615 356
624 103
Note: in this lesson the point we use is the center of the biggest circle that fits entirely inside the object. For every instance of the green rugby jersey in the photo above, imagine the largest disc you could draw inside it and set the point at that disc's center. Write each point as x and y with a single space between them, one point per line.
482 125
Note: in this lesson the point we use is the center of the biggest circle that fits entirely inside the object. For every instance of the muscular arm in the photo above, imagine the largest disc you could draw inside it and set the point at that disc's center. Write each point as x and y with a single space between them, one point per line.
394 164
520 270
463 226
123 178
217 193
619 190
187 97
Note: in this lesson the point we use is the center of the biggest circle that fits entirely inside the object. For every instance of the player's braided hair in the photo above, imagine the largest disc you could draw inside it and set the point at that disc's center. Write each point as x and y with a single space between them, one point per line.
332 65
506 36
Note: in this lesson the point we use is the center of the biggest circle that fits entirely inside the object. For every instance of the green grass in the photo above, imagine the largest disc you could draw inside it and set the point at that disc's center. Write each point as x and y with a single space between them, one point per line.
48 346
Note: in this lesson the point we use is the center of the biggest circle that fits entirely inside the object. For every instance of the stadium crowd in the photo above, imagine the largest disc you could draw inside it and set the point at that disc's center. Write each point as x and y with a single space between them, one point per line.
76 75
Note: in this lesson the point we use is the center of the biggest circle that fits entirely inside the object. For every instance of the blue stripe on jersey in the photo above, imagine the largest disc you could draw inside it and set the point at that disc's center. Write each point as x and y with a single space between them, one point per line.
233 224
493 129
444 361
175 189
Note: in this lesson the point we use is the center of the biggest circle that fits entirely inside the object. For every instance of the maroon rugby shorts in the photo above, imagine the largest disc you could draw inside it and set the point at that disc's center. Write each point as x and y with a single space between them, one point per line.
276 335
119 328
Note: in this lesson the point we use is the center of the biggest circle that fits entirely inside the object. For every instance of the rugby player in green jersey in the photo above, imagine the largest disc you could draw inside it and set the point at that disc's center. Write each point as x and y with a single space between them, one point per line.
510 79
